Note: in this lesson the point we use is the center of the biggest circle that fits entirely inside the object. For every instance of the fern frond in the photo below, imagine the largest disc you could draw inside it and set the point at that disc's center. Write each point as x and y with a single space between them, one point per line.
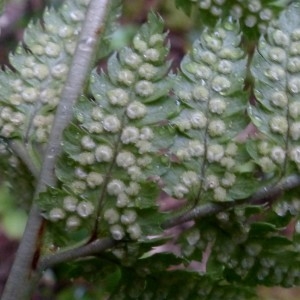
276 114
112 149
212 103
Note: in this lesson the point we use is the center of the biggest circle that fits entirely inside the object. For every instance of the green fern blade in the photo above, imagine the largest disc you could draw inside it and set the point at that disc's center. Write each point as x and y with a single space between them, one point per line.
276 114
207 156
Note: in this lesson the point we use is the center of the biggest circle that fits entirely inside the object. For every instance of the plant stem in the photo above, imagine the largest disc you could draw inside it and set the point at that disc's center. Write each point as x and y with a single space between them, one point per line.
20 280
264 196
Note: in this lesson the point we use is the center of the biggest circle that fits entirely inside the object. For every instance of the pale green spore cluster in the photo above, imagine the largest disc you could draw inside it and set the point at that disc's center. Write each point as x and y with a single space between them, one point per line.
250 13
206 99
29 99
281 121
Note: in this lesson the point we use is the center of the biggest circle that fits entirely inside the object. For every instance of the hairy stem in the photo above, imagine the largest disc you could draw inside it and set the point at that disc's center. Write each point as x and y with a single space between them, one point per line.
264 196
22 271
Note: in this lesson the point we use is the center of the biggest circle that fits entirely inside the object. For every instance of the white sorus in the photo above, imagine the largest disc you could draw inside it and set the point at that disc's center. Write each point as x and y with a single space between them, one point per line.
17 85
146 133
41 135
115 187
216 11
119 253
56 214
7 130
129 135
125 159
295 131
133 189
212 43
65 31
103 153
94 127
17 118
85 209
70 47
40 71
52 49
279 99
118 97
294 49
143 146
126 77
215 152
29 62
139 44
183 125
156 39
77 16
236 11
117 232
198 119
70 203
217 106
279 124
225 66
73 222
97 114
180 190
208 58
220 84
6 113
86 158
220 194
266 14
144 88
294 109
134 231
227 162
200 93
134 172
59 71
87 143
29 95
111 124
193 236
195 148
266 164
228 180
189 178
26 73
111 216
250 21
122 200
205 4
264 148
94 179
78 187
40 121
293 65
275 73
183 154
294 85
37 49
152 55
202 72
278 154
277 54
136 110
231 149
280 38
144 161
132 60
211 182
216 128
254 6
128 216
183 95
253 249
296 34
147 71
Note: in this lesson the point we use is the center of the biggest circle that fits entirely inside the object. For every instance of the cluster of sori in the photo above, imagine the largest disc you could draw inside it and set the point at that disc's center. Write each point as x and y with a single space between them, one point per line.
114 141
212 73
277 89
250 12
31 94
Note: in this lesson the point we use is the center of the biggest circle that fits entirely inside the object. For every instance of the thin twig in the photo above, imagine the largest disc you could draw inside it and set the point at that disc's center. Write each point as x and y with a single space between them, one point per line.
21 274
263 196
